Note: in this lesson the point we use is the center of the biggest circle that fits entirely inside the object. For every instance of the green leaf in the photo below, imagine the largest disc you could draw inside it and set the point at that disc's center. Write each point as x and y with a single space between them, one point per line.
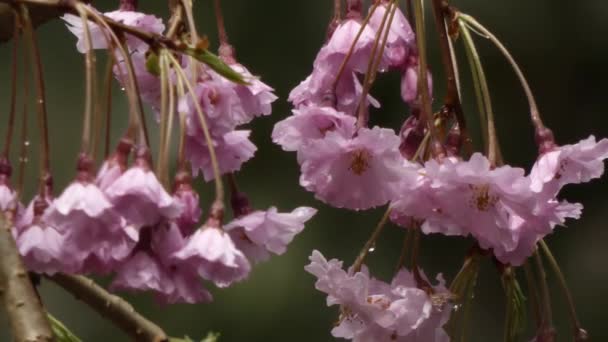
61 332
215 63
152 63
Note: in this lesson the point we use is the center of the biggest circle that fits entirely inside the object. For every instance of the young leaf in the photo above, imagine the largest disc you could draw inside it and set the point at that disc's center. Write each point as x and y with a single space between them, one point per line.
215 63
61 332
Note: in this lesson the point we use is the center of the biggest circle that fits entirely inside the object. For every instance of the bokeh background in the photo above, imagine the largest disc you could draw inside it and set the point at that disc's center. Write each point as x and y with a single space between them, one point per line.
562 47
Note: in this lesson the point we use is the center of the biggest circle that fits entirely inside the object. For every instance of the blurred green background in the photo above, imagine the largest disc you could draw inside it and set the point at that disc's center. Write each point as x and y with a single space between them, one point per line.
562 47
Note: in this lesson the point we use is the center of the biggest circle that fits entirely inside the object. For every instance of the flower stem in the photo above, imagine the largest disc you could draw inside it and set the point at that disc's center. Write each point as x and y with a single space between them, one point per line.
352 46
452 98
374 61
187 5
23 152
181 157
533 294
164 114
108 104
90 86
219 187
14 66
534 112
221 27
423 89
137 120
371 241
579 333
40 97
545 298
484 101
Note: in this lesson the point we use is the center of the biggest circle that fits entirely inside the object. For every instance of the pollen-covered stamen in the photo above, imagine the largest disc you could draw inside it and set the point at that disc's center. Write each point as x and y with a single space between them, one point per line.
359 161
481 197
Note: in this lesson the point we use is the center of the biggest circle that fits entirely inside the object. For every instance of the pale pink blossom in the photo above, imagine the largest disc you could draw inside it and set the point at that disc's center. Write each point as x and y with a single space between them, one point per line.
401 37
153 268
310 123
357 173
373 310
232 149
213 254
142 21
569 164
115 165
140 198
268 230
189 200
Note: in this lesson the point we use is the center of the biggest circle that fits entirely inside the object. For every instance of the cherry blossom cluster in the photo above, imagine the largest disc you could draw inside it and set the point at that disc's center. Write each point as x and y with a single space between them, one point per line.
122 220
423 177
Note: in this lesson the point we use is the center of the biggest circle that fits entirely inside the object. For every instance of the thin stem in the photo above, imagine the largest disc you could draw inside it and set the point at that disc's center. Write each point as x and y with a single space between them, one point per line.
14 66
371 241
483 93
337 10
164 112
221 27
90 94
108 104
368 80
26 315
181 152
534 112
176 20
137 119
407 239
219 186
545 297
352 46
533 294
452 97
116 309
40 96
187 5
423 89
169 128
579 333
24 130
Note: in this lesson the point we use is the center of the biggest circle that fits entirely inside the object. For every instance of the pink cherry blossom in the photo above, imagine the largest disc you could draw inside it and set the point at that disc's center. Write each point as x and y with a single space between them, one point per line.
213 254
42 246
373 310
188 199
140 198
232 150
268 230
153 268
310 123
569 164
115 165
93 230
401 37
139 20
409 81
358 173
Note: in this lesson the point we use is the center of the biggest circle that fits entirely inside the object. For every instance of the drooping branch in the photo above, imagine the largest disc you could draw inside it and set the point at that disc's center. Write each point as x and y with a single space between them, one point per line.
112 307
25 312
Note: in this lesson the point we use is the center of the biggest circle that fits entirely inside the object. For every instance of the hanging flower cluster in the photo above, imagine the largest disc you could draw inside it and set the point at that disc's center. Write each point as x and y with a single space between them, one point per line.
125 219
134 220
429 182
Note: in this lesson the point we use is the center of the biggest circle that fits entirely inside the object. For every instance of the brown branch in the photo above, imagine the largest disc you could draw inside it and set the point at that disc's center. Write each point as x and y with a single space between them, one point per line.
112 307
452 98
40 15
25 312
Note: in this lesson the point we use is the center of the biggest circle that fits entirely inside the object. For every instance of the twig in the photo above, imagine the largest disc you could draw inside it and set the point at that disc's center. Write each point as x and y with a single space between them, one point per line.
110 306
25 312
372 240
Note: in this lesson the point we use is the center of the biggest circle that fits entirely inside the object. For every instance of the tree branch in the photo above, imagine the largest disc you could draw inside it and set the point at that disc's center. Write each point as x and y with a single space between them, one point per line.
25 312
112 307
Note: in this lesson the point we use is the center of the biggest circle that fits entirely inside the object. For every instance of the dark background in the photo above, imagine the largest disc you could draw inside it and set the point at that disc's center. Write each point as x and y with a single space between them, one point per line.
562 47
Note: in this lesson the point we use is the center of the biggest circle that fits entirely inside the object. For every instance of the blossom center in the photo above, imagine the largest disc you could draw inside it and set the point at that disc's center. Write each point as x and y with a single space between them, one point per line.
482 199
359 162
